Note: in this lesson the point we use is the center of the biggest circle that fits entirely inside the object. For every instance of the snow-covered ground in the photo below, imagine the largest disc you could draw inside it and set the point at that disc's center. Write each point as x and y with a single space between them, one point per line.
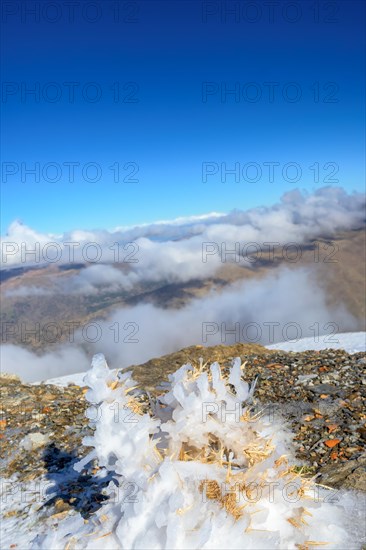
199 472
352 342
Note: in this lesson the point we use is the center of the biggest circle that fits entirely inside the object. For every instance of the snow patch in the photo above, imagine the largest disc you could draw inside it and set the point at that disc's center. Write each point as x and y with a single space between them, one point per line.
351 342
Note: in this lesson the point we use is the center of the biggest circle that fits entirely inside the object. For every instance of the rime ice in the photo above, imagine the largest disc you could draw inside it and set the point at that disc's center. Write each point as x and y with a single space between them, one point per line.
198 470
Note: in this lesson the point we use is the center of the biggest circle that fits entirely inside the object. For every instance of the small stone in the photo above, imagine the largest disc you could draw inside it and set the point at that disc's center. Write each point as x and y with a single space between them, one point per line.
351 450
327 389
34 441
303 378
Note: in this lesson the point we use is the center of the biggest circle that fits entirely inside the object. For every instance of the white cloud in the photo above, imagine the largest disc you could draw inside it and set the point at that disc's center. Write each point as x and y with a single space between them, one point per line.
289 303
32 367
95 277
290 298
297 217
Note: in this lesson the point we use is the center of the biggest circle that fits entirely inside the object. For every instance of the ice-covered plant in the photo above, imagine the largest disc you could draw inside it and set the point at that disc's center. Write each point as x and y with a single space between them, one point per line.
205 471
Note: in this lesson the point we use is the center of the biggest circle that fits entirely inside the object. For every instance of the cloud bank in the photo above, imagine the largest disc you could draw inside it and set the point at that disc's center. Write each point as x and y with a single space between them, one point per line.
32 367
182 249
298 217
287 305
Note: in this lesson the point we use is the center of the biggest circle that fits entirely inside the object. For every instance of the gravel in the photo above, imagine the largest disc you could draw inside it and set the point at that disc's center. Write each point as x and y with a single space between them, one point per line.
321 395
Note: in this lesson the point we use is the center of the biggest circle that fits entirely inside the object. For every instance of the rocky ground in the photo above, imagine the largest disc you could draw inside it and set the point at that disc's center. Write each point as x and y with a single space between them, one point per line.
320 393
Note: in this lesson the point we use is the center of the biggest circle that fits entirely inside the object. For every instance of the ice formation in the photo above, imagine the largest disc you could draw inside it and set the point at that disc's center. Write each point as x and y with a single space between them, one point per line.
197 469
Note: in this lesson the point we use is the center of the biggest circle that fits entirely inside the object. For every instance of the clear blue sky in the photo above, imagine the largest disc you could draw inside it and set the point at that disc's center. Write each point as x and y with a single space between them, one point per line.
169 49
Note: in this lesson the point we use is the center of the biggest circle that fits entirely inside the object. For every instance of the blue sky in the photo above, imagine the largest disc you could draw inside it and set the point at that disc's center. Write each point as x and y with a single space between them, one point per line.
167 50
